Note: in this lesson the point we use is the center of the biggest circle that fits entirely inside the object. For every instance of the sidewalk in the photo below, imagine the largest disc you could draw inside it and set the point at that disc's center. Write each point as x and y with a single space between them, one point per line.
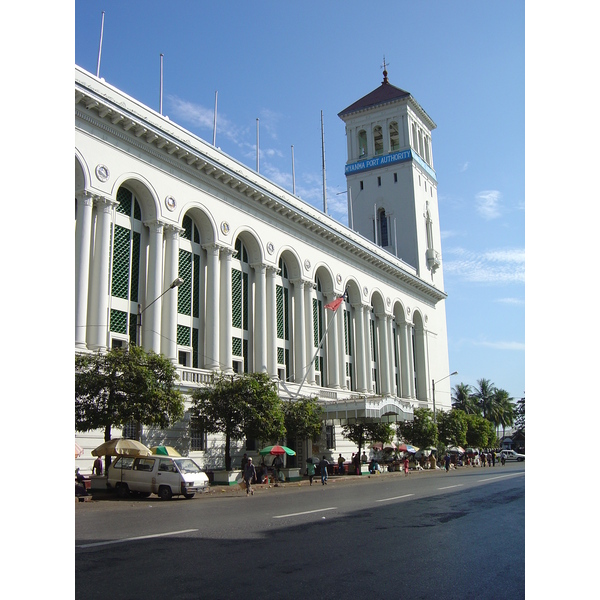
99 492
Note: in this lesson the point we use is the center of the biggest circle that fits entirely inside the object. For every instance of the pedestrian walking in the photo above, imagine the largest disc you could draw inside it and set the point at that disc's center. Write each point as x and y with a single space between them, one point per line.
447 462
356 463
310 469
341 461
493 458
324 465
406 466
249 476
97 468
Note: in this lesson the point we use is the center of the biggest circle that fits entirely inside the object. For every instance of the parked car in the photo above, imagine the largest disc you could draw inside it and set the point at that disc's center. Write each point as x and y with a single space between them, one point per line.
165 476
511 455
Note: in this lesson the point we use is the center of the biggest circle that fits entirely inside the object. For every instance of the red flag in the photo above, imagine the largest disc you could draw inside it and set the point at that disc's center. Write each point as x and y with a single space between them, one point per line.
335 304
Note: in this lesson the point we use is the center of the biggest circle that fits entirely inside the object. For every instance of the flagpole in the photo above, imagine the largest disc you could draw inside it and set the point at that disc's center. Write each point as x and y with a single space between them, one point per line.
215 121
160 98
316 352
100 47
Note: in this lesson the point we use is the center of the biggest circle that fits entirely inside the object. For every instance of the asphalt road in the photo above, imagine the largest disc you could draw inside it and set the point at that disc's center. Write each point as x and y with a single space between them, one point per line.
457 535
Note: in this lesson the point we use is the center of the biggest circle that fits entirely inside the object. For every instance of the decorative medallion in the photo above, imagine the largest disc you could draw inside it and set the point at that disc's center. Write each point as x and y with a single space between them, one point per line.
102 173
170 203
225 228
338 278
270 248
408 311
426 318
388 301
365 292
307 264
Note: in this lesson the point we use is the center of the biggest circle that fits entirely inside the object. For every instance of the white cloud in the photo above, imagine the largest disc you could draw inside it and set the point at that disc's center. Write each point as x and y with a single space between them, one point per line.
487 204
511 301
464 167
494 266
502 345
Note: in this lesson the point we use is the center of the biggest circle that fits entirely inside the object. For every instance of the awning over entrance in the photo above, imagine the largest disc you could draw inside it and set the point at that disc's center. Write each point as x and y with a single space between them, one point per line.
386 410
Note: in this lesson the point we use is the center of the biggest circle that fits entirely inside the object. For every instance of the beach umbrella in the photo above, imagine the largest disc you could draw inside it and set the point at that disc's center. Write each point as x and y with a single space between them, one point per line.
407 448
164 451
277 449
121 446
78 450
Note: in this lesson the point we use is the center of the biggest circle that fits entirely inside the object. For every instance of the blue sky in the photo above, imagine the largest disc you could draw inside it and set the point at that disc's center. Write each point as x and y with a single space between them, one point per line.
285 62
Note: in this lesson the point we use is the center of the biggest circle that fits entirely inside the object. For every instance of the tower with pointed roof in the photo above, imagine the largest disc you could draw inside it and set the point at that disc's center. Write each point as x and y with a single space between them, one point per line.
392 185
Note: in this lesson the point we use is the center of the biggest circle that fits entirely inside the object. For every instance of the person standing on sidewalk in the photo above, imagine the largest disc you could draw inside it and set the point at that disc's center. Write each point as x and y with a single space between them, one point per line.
310 469
249 476
341 461
324 465
406 466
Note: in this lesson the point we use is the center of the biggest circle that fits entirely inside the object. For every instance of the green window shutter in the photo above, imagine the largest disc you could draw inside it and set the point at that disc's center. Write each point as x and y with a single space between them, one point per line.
135 267
133 329
124 198
120 270
196 291
184 293
118 321
315 322
236 298
245 297
195 344
187 228
183 335
279 301
137 211
286 313
280 356
236 346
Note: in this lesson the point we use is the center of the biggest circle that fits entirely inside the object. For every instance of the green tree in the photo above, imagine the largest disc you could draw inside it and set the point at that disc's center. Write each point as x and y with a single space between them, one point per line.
363 432
303 418
119 386
480 432
239 407
421 431
505 411
484 394
462 399
452 427
520 415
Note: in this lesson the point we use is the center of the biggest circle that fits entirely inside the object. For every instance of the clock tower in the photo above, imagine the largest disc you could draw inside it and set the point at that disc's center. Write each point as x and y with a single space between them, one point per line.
392 186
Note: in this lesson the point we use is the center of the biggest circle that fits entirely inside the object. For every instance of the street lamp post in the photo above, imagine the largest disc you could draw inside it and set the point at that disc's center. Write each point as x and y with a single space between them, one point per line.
176 283
433 390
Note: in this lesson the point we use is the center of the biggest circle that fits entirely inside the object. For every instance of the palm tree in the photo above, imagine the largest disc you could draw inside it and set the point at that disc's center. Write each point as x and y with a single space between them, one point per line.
484 395
462 399
506 409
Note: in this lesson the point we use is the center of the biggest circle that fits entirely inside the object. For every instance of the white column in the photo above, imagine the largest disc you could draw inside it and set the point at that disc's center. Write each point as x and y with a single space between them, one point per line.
390 353
300 353
341 344
360 348
405 368
384 367
333 363
271 322
309 295
368 361
97 329
83 245
410 359
212 307
260 318
169 305
151 317
225 318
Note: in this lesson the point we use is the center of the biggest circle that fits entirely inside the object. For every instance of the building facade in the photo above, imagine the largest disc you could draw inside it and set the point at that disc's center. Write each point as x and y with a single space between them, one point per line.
155 204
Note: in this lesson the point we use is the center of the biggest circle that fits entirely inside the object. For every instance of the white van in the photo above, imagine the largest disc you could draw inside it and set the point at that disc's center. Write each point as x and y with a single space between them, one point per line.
162 475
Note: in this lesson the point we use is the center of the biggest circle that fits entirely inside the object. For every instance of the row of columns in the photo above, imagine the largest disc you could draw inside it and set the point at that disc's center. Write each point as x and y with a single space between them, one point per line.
160 319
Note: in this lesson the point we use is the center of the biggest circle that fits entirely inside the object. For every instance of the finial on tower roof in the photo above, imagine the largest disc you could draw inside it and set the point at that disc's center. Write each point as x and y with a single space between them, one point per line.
385 73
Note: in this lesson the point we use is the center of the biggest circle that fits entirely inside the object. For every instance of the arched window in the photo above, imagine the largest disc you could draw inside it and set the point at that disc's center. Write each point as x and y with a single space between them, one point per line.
282 299
189 297
240 294
394 137
125 268
362 143
348 344
318 331
378 140
373 342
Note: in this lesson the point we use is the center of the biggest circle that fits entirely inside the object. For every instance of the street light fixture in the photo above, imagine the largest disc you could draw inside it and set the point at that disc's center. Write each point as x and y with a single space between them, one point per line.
176 283
433 390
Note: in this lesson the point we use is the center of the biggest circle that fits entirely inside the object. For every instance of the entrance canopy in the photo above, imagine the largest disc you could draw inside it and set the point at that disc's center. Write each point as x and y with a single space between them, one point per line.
385 410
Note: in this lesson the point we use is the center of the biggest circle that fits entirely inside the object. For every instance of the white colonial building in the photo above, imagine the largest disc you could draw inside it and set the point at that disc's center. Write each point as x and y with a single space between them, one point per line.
155 203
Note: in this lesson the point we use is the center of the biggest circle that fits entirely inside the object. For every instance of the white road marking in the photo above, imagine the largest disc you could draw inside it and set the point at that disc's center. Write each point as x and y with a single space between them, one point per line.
449 487
394 498
308 512
132 539
500 477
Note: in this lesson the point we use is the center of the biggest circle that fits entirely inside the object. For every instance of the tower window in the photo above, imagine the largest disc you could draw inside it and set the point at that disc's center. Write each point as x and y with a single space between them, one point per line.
379 181
394 137
378 140
362 186
383 228
362 143
395 177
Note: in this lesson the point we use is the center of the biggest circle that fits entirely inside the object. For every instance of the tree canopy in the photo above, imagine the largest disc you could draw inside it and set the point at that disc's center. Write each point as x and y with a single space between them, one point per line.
452 427
245 406
363 432
303 418
116 387
421 431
